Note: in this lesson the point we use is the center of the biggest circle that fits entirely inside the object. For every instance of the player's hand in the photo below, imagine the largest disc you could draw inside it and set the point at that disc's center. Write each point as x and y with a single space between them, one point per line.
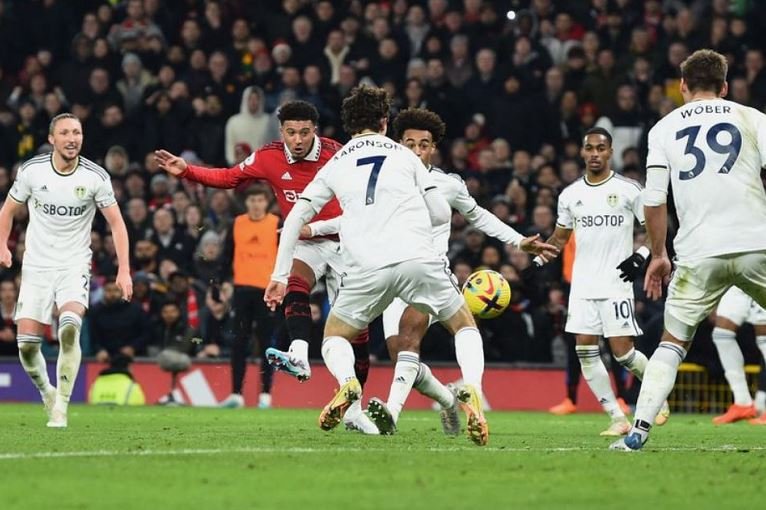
657 275
5 257
171 163
631 266
274 294
306 232
125 283
535 246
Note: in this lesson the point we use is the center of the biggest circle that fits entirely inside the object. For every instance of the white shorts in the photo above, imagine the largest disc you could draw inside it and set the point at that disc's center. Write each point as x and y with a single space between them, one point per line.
42 288
425 284
324 258
392 315
696 287
602 317
739 308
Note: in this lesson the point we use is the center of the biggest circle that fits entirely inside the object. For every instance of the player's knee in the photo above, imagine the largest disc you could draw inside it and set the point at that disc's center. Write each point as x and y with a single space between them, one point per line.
28 349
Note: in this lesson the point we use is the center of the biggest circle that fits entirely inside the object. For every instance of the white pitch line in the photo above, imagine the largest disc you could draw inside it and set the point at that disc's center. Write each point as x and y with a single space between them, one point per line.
226 451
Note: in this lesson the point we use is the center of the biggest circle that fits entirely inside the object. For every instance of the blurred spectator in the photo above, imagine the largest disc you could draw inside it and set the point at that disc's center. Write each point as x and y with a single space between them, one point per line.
172 243
118 326
8 296
251 125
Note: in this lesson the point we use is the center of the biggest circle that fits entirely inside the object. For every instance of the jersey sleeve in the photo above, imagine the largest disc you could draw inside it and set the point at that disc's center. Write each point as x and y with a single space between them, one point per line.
252 167
564 219
657 170
761 137
463 202
656 157
318 191
21 190
423 177
104 196
637 205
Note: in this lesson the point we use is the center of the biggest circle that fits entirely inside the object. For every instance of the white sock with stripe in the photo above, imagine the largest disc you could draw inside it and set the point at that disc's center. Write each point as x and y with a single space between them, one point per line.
733 364
427 384
405 372
33 361
635 361
659 378
70 356
595 374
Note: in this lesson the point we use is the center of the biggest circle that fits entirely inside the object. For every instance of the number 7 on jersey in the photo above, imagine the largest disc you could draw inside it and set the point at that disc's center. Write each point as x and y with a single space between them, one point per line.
377 164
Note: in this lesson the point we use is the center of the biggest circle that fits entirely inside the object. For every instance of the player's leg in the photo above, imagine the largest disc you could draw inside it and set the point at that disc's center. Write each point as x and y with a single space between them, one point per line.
733 310
586 322
302 279
760 396
70 356
243 303
569 405
362 298
405 328
264 330
693 293
33 314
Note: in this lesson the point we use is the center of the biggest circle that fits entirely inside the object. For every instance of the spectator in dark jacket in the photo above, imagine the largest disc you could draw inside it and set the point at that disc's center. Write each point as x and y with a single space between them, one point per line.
118 326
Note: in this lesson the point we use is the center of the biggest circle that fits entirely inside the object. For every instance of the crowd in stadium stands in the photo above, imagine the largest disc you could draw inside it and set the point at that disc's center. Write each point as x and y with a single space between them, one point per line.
517 83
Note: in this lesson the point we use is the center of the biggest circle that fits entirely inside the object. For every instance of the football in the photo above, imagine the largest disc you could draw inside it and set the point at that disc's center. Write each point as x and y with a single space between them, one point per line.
487 293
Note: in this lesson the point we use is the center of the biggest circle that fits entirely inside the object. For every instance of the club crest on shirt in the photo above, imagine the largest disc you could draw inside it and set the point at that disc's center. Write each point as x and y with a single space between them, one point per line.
612 200
80 192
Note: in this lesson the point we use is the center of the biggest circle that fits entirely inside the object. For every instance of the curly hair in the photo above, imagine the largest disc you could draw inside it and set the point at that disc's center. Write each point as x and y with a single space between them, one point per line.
364 109
297 110
420 119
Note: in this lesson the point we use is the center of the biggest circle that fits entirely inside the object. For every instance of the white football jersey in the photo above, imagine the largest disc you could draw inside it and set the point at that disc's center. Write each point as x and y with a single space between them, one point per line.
379 184
714 150
452 187
601 216
61 210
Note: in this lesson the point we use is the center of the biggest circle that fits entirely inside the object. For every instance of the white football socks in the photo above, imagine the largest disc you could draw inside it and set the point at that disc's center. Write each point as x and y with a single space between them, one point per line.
427 384
595 374
70 355
733 364
405 372
469 351
33 361
338 355
659 378
299 349
635 361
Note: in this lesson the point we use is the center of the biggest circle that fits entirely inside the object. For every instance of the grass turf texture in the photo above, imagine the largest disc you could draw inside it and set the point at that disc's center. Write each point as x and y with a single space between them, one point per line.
152 457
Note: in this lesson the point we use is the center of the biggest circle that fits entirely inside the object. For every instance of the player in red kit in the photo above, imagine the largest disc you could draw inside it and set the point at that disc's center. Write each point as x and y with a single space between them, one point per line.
289 166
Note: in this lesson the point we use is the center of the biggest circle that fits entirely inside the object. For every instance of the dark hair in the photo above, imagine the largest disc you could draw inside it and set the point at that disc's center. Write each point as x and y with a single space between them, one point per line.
704 70
60 116
256 191
599 131
297 110
364 109
421 119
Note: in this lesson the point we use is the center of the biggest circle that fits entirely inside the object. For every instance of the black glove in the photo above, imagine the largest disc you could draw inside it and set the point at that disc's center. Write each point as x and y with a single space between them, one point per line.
631 266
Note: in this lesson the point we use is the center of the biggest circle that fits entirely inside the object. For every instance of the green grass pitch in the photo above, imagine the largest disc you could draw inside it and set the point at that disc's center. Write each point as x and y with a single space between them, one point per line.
165 458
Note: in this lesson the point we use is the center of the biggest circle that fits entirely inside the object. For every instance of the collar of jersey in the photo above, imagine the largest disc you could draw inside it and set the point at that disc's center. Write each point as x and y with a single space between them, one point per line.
585 179
63 174
311 156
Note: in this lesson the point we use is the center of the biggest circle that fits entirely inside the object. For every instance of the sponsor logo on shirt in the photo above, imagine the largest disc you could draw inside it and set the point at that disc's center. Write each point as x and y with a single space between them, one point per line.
60 210
600 220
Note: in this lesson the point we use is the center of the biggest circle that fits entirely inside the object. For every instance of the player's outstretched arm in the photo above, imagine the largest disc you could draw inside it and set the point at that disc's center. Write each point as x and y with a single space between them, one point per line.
121 245
558 240
7 213
225 178
302 211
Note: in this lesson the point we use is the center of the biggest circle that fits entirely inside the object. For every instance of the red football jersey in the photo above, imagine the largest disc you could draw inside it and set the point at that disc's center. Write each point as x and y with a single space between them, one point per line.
274 164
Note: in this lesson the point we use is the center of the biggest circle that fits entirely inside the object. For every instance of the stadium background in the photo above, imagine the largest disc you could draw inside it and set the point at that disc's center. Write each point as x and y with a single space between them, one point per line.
516 96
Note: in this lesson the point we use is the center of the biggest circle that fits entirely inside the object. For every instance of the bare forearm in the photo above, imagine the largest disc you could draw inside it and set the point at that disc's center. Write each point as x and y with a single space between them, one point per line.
6 219
121 244
657 228
559 238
